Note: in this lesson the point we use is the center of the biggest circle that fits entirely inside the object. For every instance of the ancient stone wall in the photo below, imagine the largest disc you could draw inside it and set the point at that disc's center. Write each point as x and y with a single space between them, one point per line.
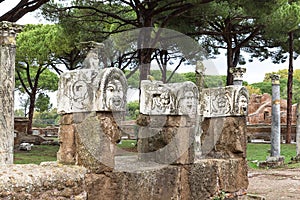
260 110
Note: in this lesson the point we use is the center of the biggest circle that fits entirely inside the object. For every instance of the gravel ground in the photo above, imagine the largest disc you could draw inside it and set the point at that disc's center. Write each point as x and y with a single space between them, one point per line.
275 184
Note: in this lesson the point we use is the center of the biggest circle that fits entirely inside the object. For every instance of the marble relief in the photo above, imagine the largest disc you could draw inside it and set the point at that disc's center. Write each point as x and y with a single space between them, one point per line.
92 90
168 99
226 101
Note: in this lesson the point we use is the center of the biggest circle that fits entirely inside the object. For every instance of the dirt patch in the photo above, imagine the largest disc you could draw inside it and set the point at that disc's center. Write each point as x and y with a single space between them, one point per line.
275 184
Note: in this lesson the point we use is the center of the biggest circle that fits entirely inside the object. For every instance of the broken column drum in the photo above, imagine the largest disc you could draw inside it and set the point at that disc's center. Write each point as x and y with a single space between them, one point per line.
238 74
167 122
91 101
275 126
8 33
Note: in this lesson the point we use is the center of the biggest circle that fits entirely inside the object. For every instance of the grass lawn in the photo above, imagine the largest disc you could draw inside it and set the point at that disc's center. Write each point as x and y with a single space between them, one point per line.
38 154
255 152
127 144
43 153
259 152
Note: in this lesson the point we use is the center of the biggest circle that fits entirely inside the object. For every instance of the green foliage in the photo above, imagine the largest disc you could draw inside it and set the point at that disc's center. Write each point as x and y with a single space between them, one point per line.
133 80
19 113
133 110
266 85
42 103
44 119
253 90
38 154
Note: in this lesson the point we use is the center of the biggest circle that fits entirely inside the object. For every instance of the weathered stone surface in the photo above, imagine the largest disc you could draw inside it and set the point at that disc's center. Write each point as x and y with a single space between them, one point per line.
166 139
225 101
89 139
20 129
96 138
132 180
238 75
67 150
168 99
87 90
66 119
158 121
50 181
8 33
224 137
200 180
275 125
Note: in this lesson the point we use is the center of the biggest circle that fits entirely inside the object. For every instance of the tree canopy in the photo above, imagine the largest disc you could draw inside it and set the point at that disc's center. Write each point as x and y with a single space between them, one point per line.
33 62
21 9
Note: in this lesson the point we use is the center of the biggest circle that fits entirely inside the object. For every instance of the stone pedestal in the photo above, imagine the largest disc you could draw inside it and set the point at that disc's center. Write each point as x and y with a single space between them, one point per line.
166 139
91 102
8 33
89 139
224 137
167 123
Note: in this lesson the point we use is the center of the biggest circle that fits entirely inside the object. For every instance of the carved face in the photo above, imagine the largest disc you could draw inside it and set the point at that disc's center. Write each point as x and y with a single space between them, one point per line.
114 95
243 103
188 103
80 90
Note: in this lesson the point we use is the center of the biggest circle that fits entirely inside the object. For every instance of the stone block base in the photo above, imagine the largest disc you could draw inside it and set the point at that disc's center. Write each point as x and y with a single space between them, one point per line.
166 139
131 179
272 162
89 140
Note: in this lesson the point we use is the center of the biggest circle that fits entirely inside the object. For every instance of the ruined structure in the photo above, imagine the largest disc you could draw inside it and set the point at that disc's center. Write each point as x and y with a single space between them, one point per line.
260 110
167 122
8 33
92 101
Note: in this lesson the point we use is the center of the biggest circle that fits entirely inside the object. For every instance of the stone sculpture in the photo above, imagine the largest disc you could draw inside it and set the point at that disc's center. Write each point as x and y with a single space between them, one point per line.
168 99
87 90
226 101
238 74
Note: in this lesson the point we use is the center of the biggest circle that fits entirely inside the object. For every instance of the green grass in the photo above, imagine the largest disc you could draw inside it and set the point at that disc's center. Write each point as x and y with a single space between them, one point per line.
259 152
38 154
255 152
127 144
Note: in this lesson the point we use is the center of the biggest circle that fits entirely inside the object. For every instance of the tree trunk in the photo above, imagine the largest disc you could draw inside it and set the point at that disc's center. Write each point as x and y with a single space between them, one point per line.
229 80
145 60
164 61
31 112
144 50
290 90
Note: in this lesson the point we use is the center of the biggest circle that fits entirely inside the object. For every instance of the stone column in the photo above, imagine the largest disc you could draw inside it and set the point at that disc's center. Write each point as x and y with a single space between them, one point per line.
298 131
238 73
7 83
275 127
199 117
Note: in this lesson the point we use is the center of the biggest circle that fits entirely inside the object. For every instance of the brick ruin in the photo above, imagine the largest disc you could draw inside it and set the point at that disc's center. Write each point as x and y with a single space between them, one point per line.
260 110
